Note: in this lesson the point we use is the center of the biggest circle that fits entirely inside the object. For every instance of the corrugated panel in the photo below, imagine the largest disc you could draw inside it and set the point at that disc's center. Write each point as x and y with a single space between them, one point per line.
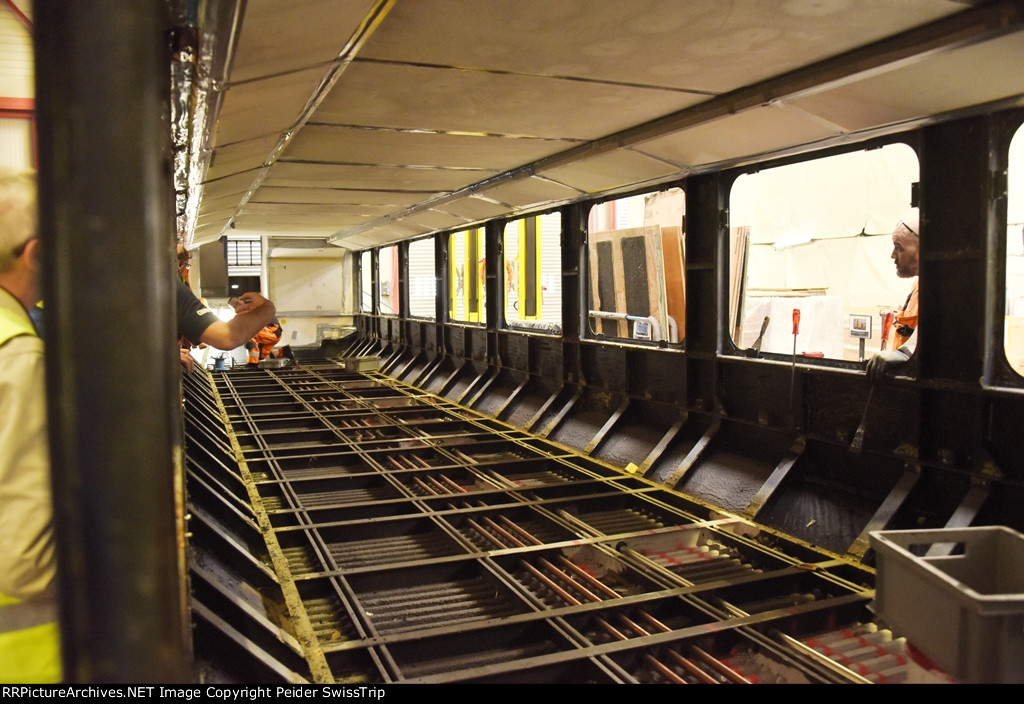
422 280
16 142
17 66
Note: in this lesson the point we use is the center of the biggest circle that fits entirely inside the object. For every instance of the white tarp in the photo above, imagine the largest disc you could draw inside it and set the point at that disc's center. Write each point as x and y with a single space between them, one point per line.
821 326
823 228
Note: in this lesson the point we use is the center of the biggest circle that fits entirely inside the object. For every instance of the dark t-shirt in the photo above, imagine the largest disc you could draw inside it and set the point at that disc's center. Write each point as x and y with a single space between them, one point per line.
193 316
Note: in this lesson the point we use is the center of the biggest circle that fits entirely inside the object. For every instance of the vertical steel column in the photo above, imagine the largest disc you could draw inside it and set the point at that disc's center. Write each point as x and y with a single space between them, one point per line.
707 285
957 219
575 283
113 377
403 280
494 301
442 302
375 283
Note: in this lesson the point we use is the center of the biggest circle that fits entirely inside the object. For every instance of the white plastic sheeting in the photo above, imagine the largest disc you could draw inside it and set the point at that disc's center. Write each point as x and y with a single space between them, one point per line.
821 325
824 227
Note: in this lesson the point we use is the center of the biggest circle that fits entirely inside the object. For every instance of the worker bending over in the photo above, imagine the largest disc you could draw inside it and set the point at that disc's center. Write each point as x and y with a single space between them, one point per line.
263 343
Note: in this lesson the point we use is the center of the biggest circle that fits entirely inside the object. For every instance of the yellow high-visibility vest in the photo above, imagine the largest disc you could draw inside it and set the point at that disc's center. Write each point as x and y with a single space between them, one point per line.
29 633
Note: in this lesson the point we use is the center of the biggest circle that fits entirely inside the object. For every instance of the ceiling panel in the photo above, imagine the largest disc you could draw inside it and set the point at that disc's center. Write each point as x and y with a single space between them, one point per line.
265 107
207 231
434 220
758 131
396 178
712 47
297 224
229 186
240 157
529 191
919 89
297 209
353 145
443 99
473 208
273 194
276 36
610 170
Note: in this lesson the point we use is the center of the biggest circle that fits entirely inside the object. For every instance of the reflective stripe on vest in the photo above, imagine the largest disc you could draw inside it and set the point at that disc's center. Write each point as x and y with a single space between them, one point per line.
19 615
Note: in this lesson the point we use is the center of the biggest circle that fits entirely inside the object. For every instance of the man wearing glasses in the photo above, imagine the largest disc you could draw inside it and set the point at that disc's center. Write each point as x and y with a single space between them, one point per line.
905 241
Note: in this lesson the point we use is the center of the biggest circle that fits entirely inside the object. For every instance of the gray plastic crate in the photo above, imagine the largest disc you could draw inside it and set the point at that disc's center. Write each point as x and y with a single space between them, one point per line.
964 611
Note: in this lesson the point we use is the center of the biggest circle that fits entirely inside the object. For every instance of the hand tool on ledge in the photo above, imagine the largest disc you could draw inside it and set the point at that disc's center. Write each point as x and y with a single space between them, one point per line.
755 349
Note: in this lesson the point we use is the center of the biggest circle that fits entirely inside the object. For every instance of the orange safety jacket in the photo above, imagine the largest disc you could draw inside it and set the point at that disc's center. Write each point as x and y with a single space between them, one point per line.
906 321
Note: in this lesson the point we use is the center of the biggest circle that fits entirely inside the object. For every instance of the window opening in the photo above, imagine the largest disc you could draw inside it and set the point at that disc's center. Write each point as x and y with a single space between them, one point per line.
467 276
532 273
422 279
637 267
387 280
816 236
366 281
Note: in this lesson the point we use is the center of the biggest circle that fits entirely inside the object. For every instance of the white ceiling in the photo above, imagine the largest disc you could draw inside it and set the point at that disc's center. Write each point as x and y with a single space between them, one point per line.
363 122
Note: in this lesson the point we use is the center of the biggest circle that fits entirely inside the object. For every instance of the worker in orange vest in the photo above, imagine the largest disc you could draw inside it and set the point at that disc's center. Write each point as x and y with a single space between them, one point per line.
263 343
905 243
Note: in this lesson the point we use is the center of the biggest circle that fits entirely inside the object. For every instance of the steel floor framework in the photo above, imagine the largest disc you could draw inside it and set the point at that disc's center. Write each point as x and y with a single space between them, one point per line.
347 527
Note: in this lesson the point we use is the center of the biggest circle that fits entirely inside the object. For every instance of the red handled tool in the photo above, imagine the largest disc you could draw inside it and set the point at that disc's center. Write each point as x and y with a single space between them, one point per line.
792 376
796 330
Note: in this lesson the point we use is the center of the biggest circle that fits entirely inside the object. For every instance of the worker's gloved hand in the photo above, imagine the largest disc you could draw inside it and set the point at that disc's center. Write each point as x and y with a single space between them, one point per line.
884 361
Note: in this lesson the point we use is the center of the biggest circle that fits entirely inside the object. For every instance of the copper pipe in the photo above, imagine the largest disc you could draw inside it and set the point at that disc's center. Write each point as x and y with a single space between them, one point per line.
522 531
480 529
632 625
589 595
651 621
610 629
590 579
694 670
454 485
420 461
663 670
442 488
569 598
424 486
504 533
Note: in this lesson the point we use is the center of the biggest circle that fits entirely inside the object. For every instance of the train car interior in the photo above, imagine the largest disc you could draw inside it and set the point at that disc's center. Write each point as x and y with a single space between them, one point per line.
581 298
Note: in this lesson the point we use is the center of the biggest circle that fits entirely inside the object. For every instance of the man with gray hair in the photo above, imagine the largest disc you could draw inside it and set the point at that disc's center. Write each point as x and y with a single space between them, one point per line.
905 242
29 634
